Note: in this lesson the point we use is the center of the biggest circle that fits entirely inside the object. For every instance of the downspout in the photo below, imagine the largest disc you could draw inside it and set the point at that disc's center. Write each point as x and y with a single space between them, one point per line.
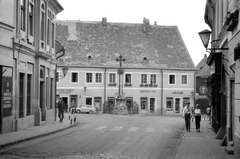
62 50
161 92
194 88
105 85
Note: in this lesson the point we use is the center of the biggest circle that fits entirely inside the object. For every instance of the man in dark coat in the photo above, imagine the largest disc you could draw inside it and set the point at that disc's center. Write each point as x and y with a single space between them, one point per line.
61 109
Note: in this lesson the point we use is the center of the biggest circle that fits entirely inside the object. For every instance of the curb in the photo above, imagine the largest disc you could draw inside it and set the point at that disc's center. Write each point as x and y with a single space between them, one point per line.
37 136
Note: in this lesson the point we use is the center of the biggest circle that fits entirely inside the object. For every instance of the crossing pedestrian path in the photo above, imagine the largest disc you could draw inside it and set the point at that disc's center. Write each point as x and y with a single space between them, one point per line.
126 128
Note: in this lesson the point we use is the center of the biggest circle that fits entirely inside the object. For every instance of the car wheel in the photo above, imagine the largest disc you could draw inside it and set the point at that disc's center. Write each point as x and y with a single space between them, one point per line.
78 111
90 112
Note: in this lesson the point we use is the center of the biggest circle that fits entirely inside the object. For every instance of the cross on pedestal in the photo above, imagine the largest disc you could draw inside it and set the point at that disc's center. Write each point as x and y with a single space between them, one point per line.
120 72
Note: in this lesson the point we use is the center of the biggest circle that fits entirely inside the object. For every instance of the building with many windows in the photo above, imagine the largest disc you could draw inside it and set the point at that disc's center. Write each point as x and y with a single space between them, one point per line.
224 81
27 63
158 72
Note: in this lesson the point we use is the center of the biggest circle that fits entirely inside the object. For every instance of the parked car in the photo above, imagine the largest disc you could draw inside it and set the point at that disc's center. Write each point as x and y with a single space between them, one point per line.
83 108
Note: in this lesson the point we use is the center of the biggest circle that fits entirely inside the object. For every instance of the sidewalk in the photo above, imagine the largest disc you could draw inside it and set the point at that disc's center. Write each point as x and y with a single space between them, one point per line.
201 145
9 139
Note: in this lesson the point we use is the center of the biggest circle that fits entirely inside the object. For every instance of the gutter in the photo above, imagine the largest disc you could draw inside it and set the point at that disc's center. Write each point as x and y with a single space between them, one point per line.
161 92
62 50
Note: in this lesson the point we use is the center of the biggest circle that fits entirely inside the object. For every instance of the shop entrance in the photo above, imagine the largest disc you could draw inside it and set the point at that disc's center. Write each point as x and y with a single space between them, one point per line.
143 104
152 105
129 103
98 103
177 105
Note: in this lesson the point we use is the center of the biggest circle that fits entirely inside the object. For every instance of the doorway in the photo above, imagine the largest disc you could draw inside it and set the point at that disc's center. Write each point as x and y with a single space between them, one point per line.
98 103
177 105
129 104
152 105
65 99
143 104
42 106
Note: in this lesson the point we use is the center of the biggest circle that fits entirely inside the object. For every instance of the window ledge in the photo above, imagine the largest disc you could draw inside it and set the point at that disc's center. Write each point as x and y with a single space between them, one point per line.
112 84
127 84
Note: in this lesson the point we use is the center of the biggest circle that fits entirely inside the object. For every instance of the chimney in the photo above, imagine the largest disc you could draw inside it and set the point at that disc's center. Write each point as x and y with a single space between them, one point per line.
104 21
155 23
146 24
205 55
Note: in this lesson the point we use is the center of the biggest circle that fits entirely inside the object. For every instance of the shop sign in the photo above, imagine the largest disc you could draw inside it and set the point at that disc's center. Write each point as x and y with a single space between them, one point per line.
148 91
177 92
65 91
7 91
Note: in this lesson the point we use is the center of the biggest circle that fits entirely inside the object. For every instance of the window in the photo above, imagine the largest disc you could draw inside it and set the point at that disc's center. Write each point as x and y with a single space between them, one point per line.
48 27
171 79
29 87
128 79
88 77
88 101
143 78
112 78
42 25
53 35
21 95
51 94
153 79
184 79
169 104
74 77
98 77
23 14
31 18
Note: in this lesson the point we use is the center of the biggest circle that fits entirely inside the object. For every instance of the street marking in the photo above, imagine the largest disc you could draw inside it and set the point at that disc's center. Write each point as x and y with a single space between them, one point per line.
116 128
133 129
167 130
150 129
100 128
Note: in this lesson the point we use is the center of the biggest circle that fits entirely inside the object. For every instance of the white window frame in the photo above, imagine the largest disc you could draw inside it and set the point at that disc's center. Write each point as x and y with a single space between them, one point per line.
182 79
125 74
174 79
86 99
86 78
115 79
150 78
141 78
71 77
96 77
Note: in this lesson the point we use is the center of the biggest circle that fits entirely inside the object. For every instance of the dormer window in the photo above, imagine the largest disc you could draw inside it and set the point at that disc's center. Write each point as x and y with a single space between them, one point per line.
145 58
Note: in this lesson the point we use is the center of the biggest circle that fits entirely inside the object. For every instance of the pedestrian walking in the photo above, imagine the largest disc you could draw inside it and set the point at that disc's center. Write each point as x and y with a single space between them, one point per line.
187 114
197 113
61 109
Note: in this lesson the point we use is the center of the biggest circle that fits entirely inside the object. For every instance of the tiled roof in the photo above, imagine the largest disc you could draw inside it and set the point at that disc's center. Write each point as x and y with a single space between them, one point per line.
161 46
203 68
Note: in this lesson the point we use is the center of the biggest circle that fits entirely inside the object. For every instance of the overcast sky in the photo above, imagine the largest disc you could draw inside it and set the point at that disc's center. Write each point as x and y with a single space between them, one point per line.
188 15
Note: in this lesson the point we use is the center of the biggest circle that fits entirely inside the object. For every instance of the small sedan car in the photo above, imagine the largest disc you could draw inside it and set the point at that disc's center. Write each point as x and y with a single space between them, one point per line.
83 108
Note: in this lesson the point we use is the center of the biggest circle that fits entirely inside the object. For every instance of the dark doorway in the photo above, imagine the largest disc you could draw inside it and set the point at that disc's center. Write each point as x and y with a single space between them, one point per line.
65 99
152 105
42 105
129 103
98 103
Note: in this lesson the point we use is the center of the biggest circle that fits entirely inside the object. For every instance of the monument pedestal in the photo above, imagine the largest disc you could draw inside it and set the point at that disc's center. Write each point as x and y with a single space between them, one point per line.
120 107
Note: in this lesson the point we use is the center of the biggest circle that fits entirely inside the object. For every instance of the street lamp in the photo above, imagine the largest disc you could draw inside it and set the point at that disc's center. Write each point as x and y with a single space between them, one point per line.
205 36
65 70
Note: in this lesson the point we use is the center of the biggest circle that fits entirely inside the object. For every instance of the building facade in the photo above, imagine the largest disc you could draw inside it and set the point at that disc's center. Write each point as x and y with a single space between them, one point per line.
222 17
158 75
27 63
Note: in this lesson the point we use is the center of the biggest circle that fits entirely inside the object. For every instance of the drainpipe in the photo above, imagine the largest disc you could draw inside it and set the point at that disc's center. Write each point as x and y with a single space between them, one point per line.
194 89
161 92
62 50
105 86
